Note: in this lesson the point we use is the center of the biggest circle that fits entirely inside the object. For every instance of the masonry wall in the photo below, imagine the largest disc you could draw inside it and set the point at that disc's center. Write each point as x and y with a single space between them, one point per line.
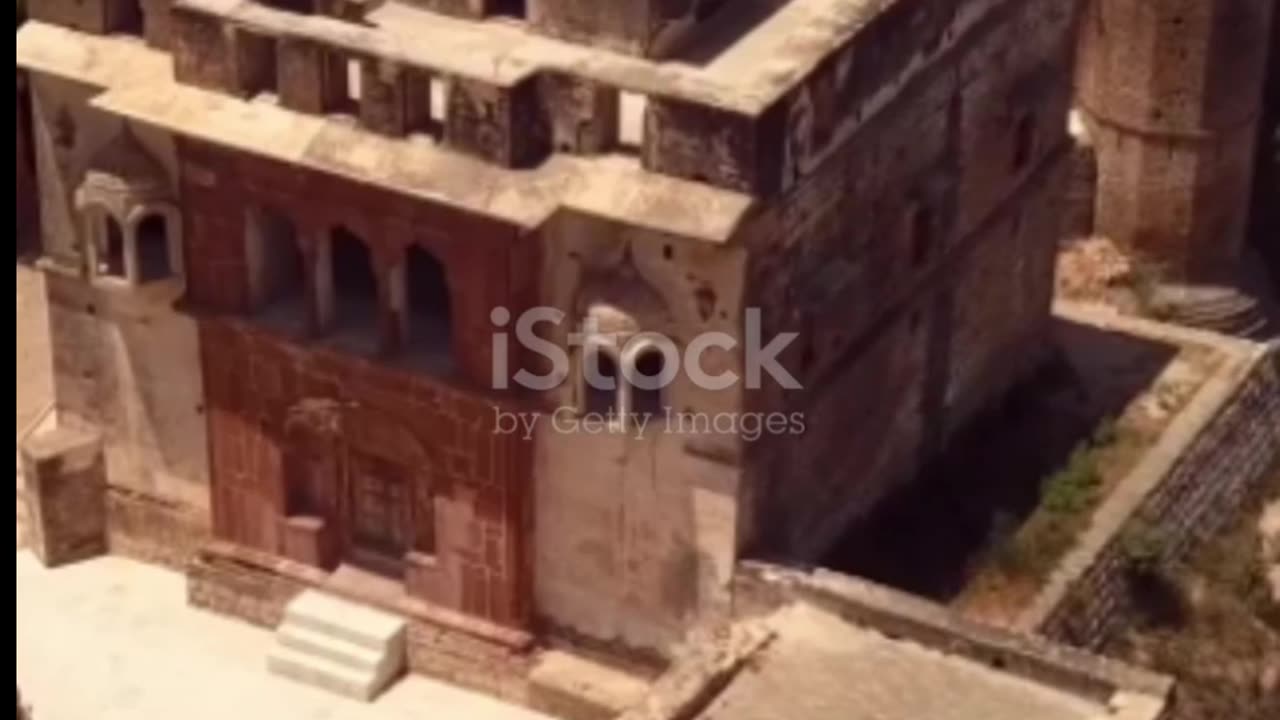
914 259
1172 94
639 27
257 589
470 485
1213 458
124 361
637 529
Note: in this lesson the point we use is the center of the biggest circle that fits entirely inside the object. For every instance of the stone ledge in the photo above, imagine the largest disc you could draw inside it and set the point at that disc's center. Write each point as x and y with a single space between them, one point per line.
761 587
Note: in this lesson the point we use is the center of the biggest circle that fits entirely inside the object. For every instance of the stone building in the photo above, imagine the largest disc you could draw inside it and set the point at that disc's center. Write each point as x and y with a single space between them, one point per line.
275 235
1171 94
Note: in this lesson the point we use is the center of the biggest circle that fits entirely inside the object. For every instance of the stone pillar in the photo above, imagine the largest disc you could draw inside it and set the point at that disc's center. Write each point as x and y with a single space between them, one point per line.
66 495
1171 92
301 75
320 280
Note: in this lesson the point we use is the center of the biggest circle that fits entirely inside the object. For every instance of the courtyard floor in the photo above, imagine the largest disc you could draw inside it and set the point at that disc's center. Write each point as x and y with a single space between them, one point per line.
113 639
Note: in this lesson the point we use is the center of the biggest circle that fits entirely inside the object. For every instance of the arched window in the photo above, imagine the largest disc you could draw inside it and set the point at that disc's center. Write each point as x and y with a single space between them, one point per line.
112 261
601 389
355 287
648 366
152 236
427 290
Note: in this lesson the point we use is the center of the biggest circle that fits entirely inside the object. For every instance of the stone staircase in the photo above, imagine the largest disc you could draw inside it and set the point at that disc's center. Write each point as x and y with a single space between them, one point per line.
342 647
1220 309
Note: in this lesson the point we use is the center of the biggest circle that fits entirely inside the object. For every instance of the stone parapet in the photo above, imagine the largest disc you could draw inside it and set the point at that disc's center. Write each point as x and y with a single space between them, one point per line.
1210 461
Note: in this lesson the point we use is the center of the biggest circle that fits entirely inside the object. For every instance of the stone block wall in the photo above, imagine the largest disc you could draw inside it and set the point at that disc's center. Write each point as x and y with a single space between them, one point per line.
66 486
650 28
1210 461
155 530
240 589
469 661
257 588
912 250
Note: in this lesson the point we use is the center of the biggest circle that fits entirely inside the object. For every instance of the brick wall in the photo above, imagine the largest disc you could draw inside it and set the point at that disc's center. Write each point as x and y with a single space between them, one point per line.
152 530
1209 462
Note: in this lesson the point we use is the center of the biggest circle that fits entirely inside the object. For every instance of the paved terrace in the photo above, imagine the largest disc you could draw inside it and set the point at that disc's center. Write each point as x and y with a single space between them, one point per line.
113 639
820 667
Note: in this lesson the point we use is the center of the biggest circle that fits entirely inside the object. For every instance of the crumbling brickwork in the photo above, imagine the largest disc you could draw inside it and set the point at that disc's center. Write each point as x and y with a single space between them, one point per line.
1171 93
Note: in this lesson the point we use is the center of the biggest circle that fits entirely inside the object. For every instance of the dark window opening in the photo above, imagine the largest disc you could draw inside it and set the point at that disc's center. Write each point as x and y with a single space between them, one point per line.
923 237
153 249
342 80
277 279
259 73
298 6
510 8
125 16
355 285
649 366
1024 142
113 263
424 111
601 400
427 290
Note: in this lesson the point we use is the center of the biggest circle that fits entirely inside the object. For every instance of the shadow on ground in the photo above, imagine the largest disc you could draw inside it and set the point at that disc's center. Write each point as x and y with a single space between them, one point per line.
929 538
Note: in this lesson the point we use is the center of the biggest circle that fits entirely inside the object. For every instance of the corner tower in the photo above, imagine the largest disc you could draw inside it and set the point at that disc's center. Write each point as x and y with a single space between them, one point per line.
1171 92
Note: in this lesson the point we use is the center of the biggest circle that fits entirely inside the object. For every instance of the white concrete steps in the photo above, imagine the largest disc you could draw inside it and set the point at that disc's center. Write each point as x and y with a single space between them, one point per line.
339 646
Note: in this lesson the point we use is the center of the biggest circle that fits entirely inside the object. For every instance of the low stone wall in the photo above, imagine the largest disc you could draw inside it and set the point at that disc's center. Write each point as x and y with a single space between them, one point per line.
257 588
152 530
761 587
469 661
219 582
1213 457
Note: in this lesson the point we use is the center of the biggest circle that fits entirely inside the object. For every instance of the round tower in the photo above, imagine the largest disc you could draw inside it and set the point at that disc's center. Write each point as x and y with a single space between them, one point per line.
1171 91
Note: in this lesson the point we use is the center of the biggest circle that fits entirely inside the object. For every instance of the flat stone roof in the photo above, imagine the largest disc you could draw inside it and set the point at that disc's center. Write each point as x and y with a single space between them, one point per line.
138 84
820 667
757 66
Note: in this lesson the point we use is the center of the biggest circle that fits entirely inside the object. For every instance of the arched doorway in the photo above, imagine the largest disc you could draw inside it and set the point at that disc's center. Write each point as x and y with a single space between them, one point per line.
429 307
152 238
355 290
111 263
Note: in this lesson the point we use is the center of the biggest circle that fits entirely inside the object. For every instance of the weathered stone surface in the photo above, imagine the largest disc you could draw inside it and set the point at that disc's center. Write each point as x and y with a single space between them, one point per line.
65 480
1172 93
1213 457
